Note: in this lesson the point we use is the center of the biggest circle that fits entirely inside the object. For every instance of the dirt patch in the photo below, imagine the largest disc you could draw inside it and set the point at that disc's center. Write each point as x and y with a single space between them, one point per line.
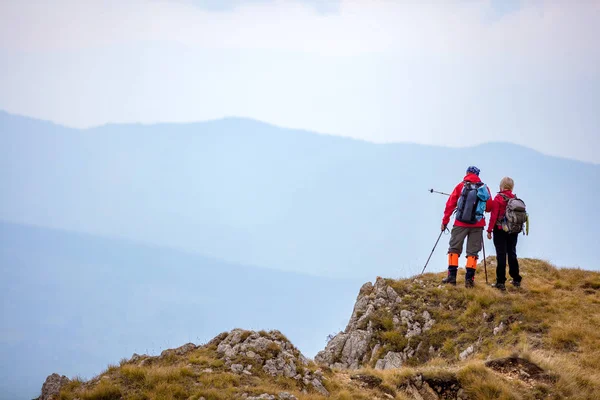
368 381
447 387
525 370
434 388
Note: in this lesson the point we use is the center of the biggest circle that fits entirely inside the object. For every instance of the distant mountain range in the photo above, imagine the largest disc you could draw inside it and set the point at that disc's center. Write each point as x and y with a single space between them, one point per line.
255 194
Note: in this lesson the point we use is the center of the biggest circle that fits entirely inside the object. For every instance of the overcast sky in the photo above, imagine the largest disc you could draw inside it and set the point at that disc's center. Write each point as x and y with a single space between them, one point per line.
437 72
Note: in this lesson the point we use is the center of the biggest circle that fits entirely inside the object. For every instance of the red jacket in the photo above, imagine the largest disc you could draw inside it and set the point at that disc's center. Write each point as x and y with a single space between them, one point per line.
453 201
499 209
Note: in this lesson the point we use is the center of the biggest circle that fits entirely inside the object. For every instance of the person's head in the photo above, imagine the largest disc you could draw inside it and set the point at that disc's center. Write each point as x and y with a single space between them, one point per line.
473 170
507 183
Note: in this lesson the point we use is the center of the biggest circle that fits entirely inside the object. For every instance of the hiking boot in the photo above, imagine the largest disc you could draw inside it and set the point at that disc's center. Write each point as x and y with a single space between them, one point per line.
470 278
499 286
451 278
516 284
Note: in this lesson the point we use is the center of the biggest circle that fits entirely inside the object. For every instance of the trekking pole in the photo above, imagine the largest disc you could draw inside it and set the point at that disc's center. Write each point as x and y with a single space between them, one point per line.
435 191
434 246
484 262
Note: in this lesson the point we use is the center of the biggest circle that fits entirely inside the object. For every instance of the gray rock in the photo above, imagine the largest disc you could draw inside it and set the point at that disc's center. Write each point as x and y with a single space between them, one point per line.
428 325
391 360
414 329
355 348
499 328
217 339
286 396
391 294
264 396
365 289
279 367
333 350
360 307
146 361
318 385
374 351
186 348
303 360
428 321
380 302
466 353
135 358
362 322
408 352
179 351
380 289
406 316
52 386
237 368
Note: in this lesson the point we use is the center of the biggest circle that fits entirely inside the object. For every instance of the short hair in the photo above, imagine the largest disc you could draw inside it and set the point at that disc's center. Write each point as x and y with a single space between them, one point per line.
507 183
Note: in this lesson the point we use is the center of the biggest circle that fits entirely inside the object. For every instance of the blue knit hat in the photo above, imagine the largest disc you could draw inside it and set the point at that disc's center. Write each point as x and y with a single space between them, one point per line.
473 170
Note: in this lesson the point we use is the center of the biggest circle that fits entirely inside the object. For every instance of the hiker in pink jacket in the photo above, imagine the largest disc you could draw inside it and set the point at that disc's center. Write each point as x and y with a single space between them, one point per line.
505 242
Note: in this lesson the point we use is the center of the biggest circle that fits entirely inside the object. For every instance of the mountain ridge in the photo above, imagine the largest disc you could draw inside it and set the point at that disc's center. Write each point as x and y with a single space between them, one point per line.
534 342
256 122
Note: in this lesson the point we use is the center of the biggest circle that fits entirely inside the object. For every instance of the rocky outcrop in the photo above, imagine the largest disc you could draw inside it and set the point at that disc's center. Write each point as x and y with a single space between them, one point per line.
179 351
240 349
349 348
357 345
51 388
270 349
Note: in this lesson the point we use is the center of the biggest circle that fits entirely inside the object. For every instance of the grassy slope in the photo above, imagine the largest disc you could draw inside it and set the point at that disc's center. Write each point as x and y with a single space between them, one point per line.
552 321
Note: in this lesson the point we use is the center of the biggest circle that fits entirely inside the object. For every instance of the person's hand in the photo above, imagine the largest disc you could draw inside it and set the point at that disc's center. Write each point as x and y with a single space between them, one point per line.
489 235
443 227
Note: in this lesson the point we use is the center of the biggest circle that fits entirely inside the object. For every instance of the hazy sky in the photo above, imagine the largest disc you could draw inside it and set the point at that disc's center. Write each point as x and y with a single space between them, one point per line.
438 72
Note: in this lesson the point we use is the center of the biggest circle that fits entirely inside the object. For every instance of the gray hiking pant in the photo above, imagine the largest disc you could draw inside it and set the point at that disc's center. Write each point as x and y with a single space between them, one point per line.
474 238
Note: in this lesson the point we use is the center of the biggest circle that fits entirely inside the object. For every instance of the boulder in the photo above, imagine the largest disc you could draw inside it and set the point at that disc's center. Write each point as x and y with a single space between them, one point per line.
52 386
392 360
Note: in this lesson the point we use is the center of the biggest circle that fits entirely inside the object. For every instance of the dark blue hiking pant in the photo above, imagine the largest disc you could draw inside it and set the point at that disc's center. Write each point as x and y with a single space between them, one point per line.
506 246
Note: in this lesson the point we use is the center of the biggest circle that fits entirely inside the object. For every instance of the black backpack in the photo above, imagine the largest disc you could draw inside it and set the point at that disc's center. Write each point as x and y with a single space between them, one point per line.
468 201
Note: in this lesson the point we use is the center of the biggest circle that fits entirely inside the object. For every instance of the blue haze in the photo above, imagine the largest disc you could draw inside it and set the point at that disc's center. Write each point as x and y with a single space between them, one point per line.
180 231
255 194
73 303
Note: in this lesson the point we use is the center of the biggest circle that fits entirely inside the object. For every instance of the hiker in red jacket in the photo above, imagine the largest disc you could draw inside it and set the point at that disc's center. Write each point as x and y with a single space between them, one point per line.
505 242
470 198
